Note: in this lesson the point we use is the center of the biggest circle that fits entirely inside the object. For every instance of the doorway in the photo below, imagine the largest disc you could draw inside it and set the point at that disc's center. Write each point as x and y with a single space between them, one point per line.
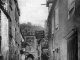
72 46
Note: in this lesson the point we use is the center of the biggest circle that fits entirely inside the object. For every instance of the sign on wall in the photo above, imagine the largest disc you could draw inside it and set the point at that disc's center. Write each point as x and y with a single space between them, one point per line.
39 34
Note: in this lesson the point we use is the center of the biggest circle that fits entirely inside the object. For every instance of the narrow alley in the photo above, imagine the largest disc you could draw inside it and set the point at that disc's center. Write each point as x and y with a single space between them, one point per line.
39 29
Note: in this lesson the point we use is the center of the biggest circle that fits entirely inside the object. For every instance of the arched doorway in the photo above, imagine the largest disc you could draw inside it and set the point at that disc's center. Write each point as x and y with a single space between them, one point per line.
30 57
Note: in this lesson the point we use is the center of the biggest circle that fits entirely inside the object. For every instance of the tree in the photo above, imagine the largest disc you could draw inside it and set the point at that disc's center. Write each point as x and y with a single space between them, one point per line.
26 28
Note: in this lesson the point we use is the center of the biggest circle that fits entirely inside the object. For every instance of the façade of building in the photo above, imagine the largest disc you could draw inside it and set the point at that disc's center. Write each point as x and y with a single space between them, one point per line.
10 32
62 31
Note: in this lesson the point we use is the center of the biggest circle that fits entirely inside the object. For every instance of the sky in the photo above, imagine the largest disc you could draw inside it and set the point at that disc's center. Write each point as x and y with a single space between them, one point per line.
32 11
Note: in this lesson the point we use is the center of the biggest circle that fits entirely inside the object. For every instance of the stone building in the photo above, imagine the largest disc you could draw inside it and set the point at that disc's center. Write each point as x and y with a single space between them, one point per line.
63 33
10 32
31 46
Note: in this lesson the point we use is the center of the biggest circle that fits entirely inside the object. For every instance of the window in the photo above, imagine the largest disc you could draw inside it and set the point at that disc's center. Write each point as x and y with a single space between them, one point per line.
57 17
10 32
15 15
0 21
10 4
0 14
52 25
0 41
15 33
71 11
71 7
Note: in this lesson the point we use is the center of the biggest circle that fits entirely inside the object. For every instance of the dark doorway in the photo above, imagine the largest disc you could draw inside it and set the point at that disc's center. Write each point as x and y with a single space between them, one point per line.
72 46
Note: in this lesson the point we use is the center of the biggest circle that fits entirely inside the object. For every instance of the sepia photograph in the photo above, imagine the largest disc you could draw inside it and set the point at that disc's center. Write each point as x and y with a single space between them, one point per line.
39 29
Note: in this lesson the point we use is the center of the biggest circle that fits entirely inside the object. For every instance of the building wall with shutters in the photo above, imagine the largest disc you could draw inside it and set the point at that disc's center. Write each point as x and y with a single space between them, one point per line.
65 26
